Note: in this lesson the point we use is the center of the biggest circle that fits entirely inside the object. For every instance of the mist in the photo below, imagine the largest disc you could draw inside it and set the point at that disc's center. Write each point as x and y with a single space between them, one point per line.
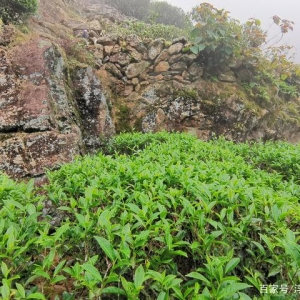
262 10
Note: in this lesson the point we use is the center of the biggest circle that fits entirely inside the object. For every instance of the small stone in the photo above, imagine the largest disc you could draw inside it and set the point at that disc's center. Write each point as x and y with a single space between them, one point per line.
181 39
227 77
135 69
178 78
128 90
195 70
163 66
106 59
135 81
135 55
121 58
175 48
163 56
235 64
106 41
133 40
179 66
99 52
160 116
185 74
175 58
188 58
108 50
137 87
112 69
177 85
156 47
116 49
159 77
143 76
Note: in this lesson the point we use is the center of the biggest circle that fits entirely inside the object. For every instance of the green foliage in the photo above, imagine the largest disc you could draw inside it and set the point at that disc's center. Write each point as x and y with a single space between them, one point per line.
132 8
17 10
19 231
145 30
154 31
218 40
163 216
77 52
154 12
186 94
216 36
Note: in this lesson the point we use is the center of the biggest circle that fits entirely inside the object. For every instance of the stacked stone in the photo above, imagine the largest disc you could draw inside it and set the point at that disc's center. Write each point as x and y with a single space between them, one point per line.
142 62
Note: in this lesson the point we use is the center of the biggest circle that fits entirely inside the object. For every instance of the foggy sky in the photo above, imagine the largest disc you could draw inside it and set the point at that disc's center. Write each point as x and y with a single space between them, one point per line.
259 9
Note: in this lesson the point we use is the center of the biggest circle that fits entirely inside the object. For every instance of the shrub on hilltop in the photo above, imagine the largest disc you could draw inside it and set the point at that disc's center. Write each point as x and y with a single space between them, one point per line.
17 10
164 13
154 12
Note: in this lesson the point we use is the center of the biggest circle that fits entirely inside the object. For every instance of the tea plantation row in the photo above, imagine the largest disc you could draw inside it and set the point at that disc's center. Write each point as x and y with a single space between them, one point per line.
157 216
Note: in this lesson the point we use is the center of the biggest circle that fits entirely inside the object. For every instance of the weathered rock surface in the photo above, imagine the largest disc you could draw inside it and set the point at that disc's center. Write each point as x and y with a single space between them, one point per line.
135 69
40 124
156 48
162 66
92 108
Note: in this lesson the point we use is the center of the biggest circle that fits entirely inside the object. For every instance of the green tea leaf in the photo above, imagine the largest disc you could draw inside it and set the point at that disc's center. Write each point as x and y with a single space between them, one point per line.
232 264
199 276
36 296
106 247
4 269
113 290
93 271
231 289
162 296
139 277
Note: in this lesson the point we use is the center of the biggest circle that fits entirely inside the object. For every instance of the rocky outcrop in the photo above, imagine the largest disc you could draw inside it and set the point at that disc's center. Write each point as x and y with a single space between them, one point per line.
93 108
45 119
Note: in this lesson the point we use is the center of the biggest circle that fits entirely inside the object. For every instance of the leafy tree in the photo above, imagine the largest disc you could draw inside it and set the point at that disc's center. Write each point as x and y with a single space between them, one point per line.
220 40
164 13
16 10
216 36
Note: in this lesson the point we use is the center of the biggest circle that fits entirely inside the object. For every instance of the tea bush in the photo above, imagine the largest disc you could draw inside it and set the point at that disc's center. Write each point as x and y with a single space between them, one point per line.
159 216
145 30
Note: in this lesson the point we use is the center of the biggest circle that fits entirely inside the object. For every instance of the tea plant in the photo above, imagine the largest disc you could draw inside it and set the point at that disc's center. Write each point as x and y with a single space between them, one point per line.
158 216
146 30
